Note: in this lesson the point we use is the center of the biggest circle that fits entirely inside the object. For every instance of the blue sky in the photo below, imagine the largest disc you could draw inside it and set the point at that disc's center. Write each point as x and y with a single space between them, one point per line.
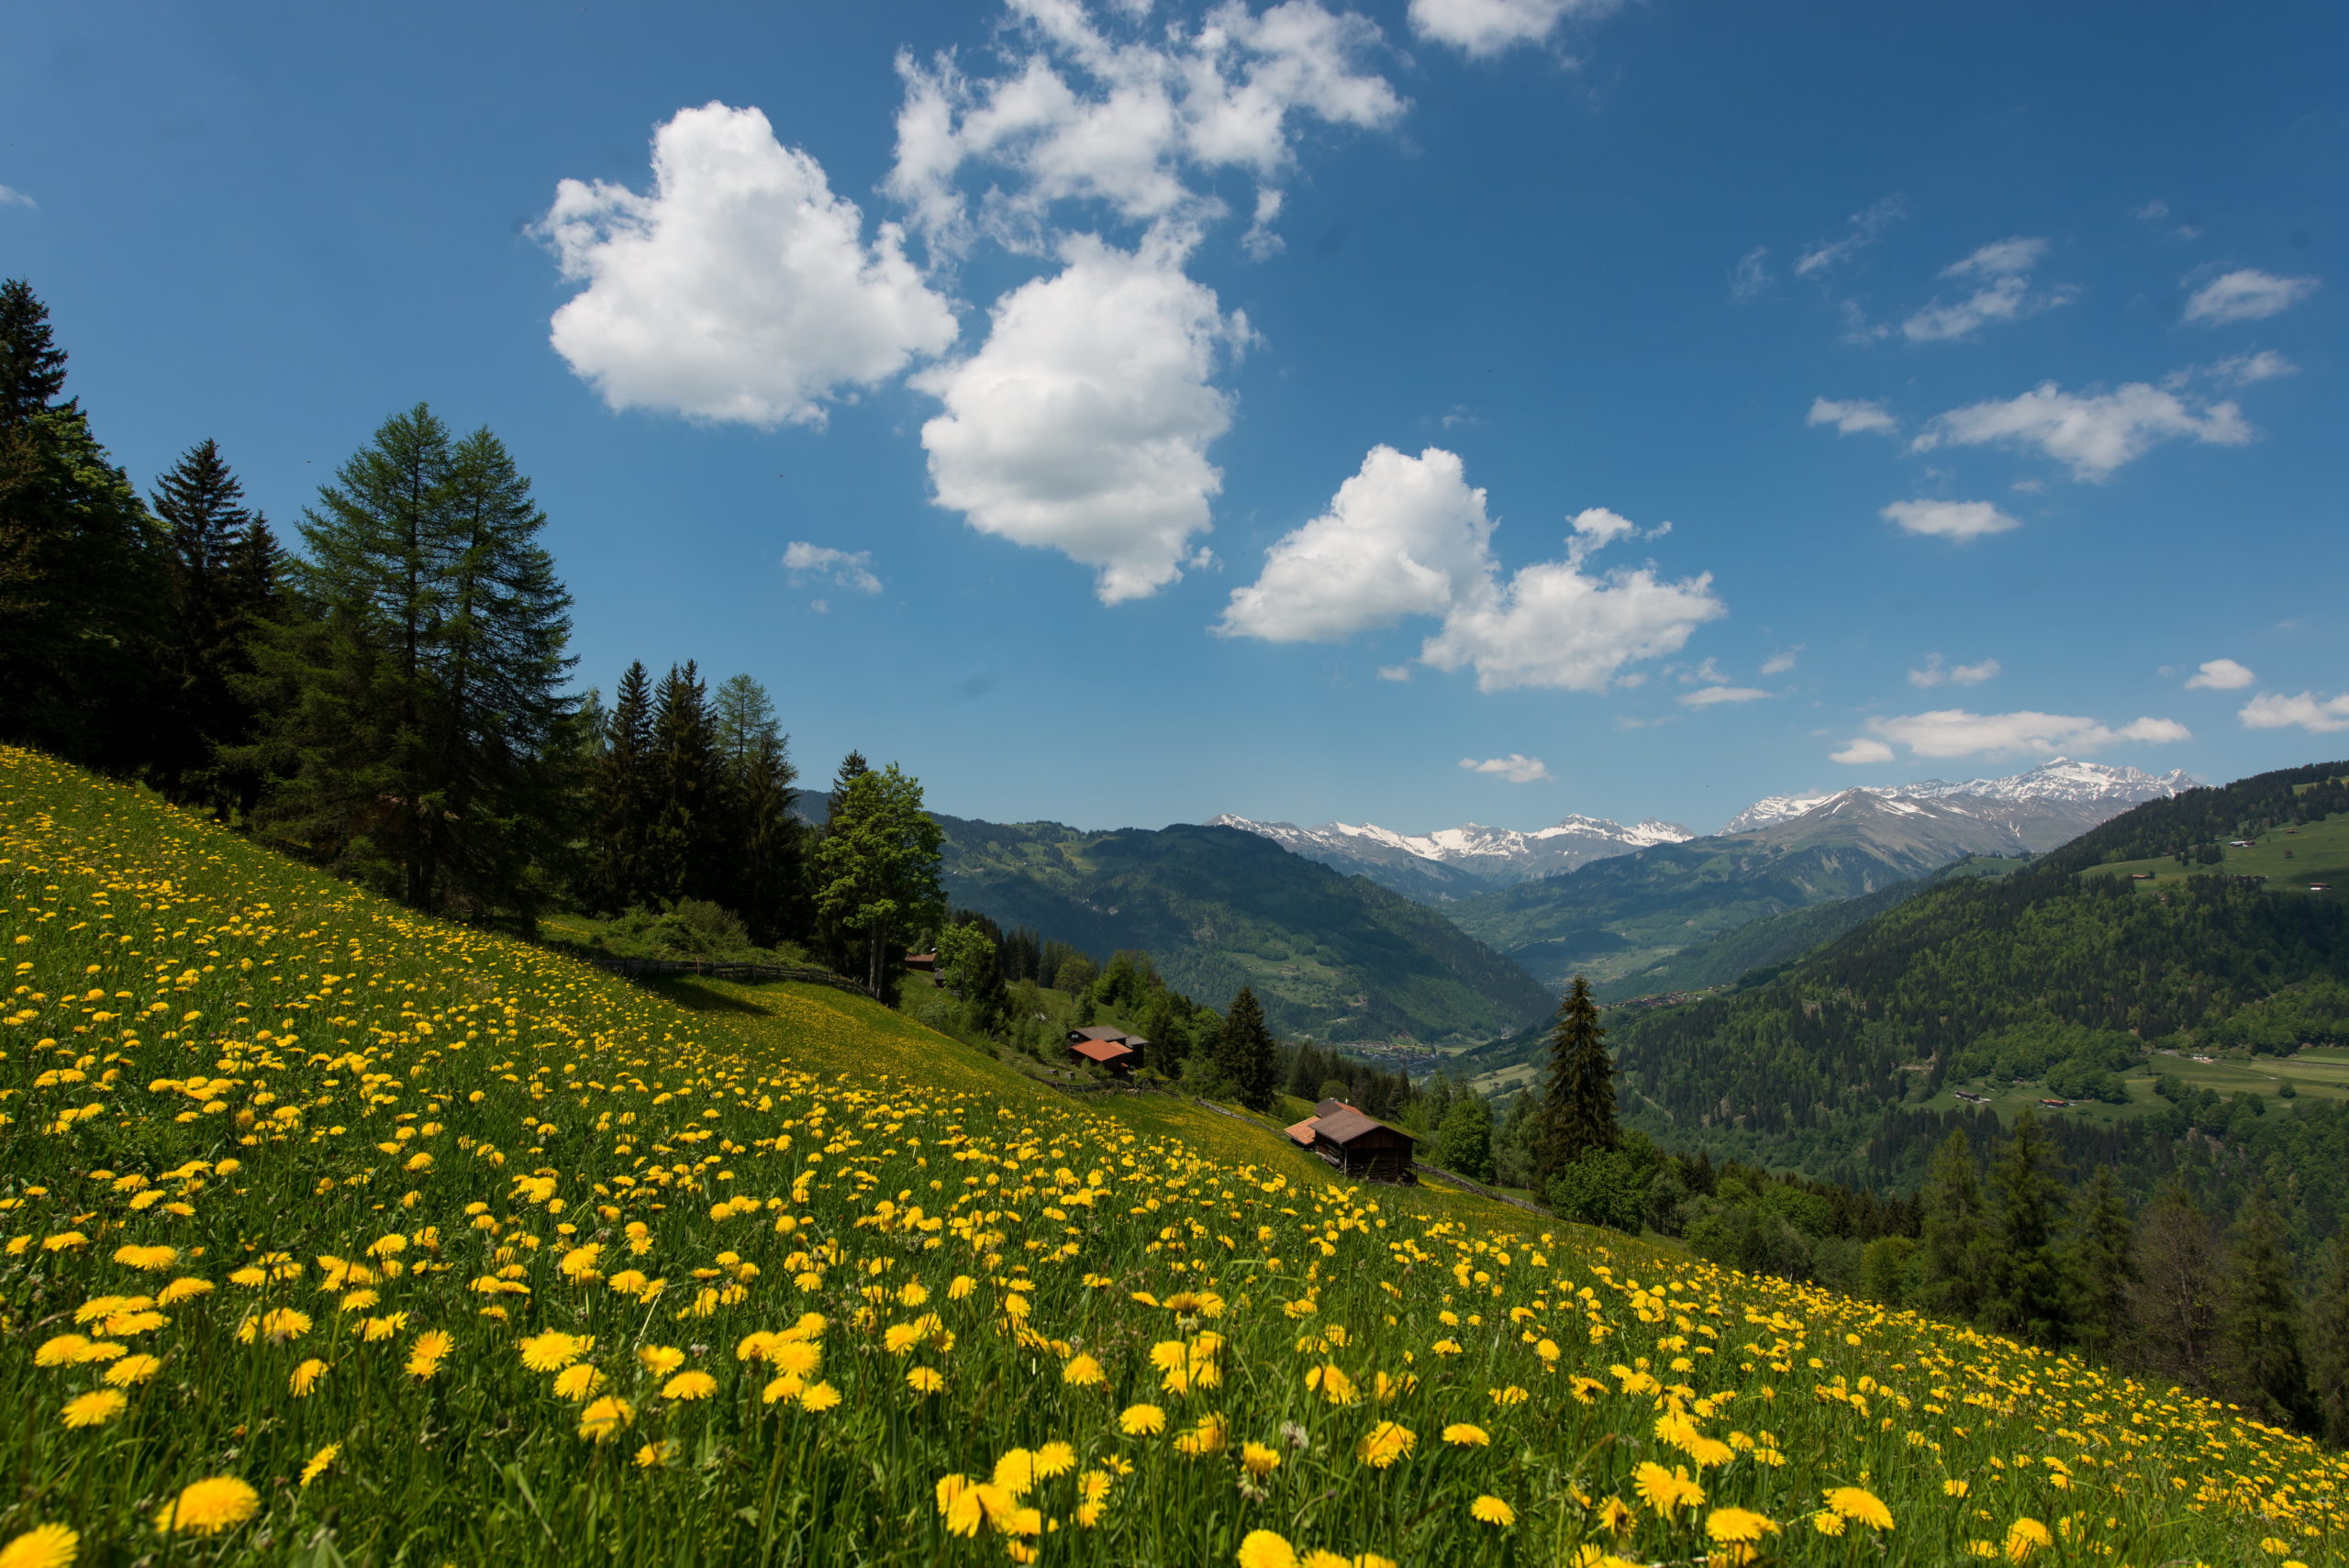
1168 410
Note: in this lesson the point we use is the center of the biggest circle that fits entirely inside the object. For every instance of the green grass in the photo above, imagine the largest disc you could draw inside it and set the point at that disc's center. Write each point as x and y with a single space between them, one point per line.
2290 859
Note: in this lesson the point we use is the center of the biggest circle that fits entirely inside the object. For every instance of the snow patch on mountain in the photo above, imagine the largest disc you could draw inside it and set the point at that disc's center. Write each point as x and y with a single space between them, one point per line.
1497 856
2062 781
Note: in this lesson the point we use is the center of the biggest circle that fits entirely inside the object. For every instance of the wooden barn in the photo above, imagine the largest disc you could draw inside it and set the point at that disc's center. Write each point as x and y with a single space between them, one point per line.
1359 1145
1115 1049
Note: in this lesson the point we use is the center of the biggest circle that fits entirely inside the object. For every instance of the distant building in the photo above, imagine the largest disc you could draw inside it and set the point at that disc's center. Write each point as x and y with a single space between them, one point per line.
1115 1049
1357 1144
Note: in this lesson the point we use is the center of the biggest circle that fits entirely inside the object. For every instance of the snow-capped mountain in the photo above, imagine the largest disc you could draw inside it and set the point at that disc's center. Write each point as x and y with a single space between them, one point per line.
2090 792
1454 862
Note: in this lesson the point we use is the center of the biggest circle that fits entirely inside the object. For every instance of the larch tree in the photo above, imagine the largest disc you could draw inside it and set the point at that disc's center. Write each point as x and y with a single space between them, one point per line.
2177 1300
877 870
1579 1101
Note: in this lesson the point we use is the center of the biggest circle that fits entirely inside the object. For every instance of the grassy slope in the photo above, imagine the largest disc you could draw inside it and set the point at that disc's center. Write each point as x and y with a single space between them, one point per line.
226 1070
2288 857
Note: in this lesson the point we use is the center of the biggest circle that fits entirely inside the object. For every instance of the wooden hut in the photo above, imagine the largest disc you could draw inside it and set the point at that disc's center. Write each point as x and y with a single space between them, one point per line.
1359 1145
1119 1051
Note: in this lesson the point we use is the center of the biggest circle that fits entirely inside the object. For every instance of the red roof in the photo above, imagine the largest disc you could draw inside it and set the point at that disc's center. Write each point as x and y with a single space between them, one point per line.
1102 1050
1302 1133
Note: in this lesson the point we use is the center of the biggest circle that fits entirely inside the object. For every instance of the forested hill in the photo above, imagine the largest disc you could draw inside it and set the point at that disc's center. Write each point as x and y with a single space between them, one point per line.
1217 908
2061 974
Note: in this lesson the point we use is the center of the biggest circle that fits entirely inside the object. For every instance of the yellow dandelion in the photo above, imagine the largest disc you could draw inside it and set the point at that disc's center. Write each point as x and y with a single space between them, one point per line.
44 1546
925 1380
578 1383
1665 1491
1054 1458
552 1351
1860 1506
1954 1488
1490 1510
2025 1537
1386 1443
208 1506
304 1378
431 1348
133 1370
1262 1549
318 1463
1827 1521
93 1409
654 1455
661 1360
689 1386
1142 1421
602 1421
1462 1434
1731 1526
1082 1372
820 1397
182 1289
1258 1459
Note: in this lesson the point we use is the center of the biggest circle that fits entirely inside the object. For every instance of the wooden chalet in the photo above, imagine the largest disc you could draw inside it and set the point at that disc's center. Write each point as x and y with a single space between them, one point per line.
1104 1047
1359 1145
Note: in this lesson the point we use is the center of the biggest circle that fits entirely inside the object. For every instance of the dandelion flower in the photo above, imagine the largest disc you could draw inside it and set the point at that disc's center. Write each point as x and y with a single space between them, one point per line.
208 1506
1462 1434
318 1463
1386 1443
93 1409
44 1546
797 1357
1861 1507
603 1420
182 1290
1262 1549
651 1456
819 1397
1142 1421
64 1349
925 1380
661 1360
1082 1372
1490 1510
431 1348
578 1382
1665 1491
1827 1521
689 1386
133 1370
304 1378
1054 1458
553 1350
1954 1488
1258 1459
1729 1526
2025 1537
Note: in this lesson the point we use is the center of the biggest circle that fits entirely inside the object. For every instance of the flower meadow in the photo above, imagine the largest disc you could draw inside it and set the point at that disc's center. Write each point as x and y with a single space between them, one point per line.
331 1234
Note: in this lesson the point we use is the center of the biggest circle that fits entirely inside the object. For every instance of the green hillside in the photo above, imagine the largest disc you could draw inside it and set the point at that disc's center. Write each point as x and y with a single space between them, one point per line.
1336 957
2062 979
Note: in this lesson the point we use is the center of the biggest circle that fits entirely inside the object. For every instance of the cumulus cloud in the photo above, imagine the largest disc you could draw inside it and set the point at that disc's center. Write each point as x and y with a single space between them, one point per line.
1482 29
1123 115
1865 230
2319 716
2246 294
1408 537
1778 663
1712 697
11 197
1935 672
1516 767
1081 424
2094 433
1953 732
1949 519
1851 418
2002 269
848 569
741 288
2219 676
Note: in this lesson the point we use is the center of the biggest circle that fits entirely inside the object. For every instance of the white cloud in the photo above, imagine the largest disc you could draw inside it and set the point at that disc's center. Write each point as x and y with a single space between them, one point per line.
1861 752
1752 276
1936 673
1778 663
11 197
1865 228
1710 696
2244 370
1121 114
739 289
2219 676
1405 536
849 569
2154 209
1516 767
1851 418
1081 424
1949 519
2247 294
1394 672
2095 433
1953 732
1482 29
2319 716
1408 535
2003 268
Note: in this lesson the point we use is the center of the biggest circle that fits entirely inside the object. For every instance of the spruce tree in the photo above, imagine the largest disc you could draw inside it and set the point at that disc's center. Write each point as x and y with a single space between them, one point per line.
622 796
2027 1287
836 943
1952 1259
2102 1265
2259 1320
762 858
2327 1337
684 836
1578 1102
82 588
224 574
1245 1051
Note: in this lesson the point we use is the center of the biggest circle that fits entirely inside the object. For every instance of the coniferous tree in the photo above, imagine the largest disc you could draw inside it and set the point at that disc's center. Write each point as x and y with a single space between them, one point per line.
877 870
224 574
82 587
763 853
1306 1072
2027 1286
1578 1102
838 944
2327 1339
1952 1261
1245 1051
2259 1320
2102 1265
622 795
682 840
2176 1301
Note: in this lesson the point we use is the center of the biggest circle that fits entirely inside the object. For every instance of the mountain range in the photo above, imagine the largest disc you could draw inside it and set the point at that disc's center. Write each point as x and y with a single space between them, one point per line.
2022 813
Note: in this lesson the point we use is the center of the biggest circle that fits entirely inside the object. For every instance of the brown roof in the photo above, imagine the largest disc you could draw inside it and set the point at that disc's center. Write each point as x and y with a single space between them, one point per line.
1102 1050
1302 1133
1103 1031
1327 1106
1345 1126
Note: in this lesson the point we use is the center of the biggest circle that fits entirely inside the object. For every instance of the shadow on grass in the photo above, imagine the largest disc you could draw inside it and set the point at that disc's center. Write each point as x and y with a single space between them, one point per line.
691 994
